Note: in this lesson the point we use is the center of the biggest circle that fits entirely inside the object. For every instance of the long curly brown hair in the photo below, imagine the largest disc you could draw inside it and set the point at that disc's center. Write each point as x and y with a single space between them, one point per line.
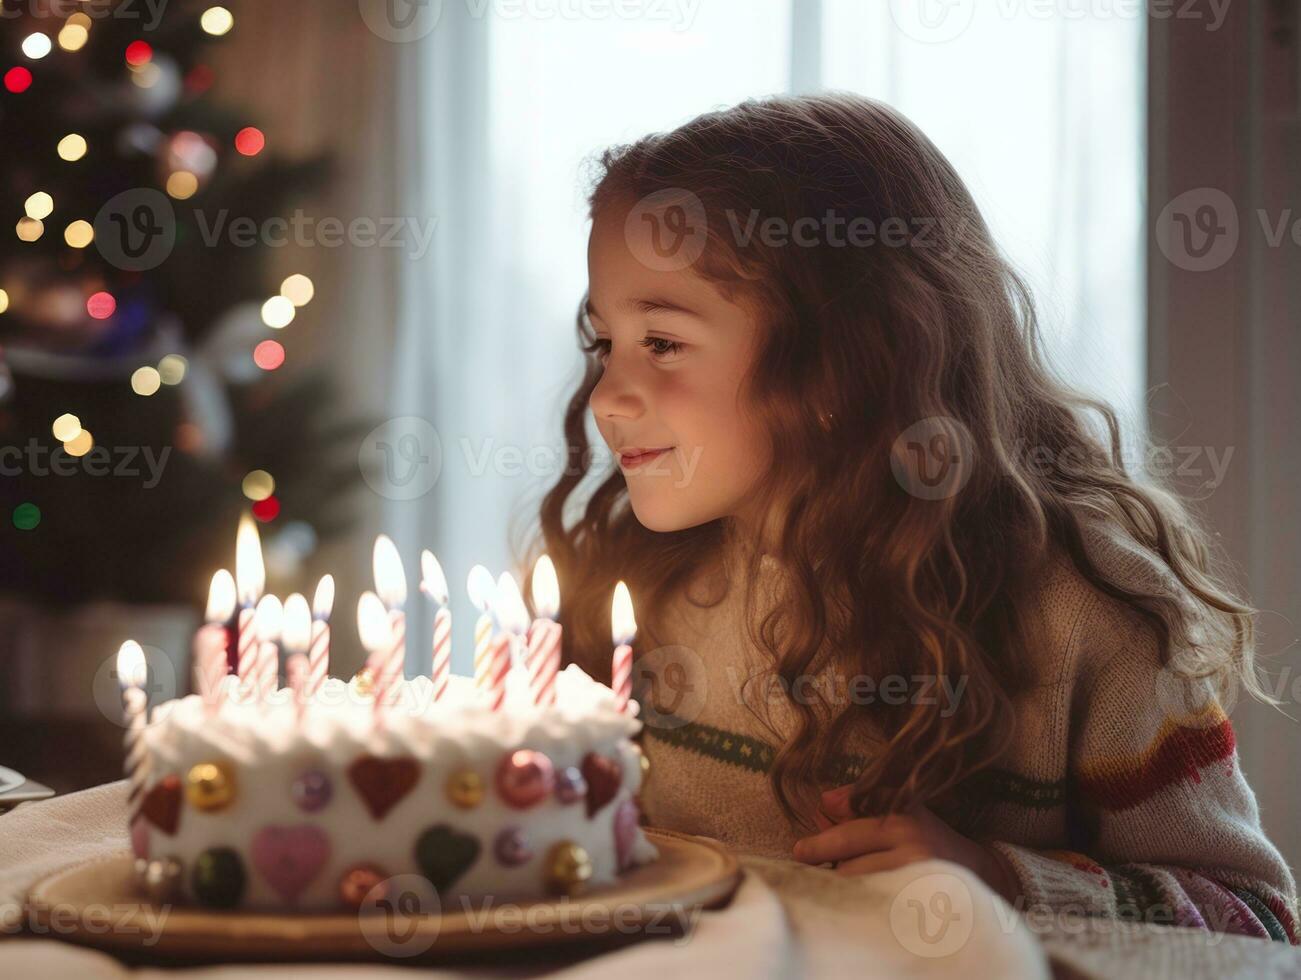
858 345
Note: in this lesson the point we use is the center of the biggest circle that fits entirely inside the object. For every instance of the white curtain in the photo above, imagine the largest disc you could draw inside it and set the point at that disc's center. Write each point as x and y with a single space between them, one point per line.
1043 118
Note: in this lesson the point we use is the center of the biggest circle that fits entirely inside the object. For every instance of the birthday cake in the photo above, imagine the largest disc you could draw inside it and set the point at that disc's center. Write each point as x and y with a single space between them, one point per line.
275 805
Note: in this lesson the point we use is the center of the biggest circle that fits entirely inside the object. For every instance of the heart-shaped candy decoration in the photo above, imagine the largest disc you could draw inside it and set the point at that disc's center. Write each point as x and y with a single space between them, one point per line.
444 854
604 776
290 857
162 804
383 782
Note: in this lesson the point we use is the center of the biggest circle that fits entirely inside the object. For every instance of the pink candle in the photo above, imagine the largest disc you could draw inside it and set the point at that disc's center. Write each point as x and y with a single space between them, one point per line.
481 587
250 577
131 672
267 623
624 628
296 668
391 586
433 583
375 628
499 669
210 654
318 657
543 659
513 620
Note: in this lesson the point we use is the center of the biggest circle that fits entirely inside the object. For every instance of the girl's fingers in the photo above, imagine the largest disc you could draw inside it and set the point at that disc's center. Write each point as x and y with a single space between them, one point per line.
822 820
844 840
896 857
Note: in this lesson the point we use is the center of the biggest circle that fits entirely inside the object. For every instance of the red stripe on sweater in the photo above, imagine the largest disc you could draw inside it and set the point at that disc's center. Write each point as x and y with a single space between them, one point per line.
1178 757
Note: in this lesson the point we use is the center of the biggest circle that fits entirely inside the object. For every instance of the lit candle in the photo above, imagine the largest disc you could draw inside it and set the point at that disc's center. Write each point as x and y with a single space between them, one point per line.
513 620
267 623
210 655
373 625
132 672
250 577
296 670
543 658
433 583
297 635
391 586
624 628
481 588
318 657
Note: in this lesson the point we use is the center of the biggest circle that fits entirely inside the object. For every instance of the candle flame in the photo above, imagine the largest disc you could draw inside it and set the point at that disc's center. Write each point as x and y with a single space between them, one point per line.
432 579
373 622
390 579
624 626
323 601
298 624
481 588
221 597
508 606
268 619
250 573
131 664
546 589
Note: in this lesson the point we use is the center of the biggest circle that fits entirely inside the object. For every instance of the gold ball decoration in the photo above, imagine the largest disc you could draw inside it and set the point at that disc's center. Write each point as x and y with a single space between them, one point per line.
465 788
567 868
365 682
210 786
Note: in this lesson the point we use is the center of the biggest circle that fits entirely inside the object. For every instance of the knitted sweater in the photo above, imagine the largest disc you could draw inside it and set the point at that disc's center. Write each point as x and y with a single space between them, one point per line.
1119 797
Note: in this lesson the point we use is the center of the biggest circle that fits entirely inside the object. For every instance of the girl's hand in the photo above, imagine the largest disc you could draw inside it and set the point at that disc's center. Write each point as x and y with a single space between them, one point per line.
861 845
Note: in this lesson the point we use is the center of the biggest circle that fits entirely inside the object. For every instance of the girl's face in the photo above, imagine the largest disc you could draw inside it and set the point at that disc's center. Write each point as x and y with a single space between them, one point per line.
675 352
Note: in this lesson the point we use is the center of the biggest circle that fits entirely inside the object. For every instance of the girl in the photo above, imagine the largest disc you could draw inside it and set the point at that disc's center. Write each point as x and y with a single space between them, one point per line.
898 599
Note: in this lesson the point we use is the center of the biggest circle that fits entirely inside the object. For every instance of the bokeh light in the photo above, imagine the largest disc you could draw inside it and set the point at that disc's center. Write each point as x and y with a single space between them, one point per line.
73 37
217 21
26 516
72 147
39 205
36 46
80 444
182 185
258 485
18 80
145 381
277 312
250 141
266 510
67 426
171 369
101 306
79 234
30 229
298 289
139 53
4 301
268 355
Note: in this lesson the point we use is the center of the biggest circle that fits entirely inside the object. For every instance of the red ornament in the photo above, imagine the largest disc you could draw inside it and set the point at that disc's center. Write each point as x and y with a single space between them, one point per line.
524 777
139 53
250 141
266 509
18 80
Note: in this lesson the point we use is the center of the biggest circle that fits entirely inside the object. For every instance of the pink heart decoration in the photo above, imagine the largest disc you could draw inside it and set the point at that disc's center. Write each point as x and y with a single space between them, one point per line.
290 857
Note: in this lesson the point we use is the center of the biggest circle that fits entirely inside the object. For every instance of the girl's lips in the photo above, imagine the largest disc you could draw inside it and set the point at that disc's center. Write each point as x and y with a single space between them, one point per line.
639 459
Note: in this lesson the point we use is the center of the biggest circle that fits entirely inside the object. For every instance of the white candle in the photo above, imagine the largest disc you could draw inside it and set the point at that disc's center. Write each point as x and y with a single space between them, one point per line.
543 659
132 672
267 623
481 587
433 583
210 655
391 586
296 636
624 629
250 577
318 658
374 627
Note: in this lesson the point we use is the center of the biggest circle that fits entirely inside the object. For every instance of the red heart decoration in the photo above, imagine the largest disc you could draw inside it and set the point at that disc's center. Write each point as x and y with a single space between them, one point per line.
383 782
162 804
604 777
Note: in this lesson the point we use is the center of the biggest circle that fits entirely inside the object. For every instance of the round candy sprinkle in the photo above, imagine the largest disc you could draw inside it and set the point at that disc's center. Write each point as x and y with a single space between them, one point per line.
570 784
465 788
510 847
311 790
357 882
567 868
218 878
524 777
210 786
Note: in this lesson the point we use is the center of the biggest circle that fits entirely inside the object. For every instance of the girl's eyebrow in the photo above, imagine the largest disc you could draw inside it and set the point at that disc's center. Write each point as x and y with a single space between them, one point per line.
651 305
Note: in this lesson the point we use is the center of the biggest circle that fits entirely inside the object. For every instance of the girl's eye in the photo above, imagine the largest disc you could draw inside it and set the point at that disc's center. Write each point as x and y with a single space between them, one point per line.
601 347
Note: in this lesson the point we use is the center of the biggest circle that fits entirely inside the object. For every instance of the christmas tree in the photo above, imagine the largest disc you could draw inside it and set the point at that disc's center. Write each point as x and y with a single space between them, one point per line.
141 409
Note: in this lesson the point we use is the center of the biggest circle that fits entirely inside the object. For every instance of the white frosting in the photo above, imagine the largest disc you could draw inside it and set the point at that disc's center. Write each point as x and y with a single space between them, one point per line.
267 748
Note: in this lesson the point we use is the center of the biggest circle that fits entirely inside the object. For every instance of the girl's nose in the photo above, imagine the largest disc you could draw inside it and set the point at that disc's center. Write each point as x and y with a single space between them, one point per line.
615 397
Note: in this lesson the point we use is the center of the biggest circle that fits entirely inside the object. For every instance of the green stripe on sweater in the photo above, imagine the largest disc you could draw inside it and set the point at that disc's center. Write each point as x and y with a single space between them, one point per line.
1262 912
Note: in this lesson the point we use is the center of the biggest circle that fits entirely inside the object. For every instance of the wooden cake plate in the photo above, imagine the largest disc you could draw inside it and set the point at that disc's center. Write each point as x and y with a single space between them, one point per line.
96 904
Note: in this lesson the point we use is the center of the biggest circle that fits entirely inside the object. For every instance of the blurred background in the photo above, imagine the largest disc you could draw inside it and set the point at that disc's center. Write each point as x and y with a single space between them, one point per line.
322 261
